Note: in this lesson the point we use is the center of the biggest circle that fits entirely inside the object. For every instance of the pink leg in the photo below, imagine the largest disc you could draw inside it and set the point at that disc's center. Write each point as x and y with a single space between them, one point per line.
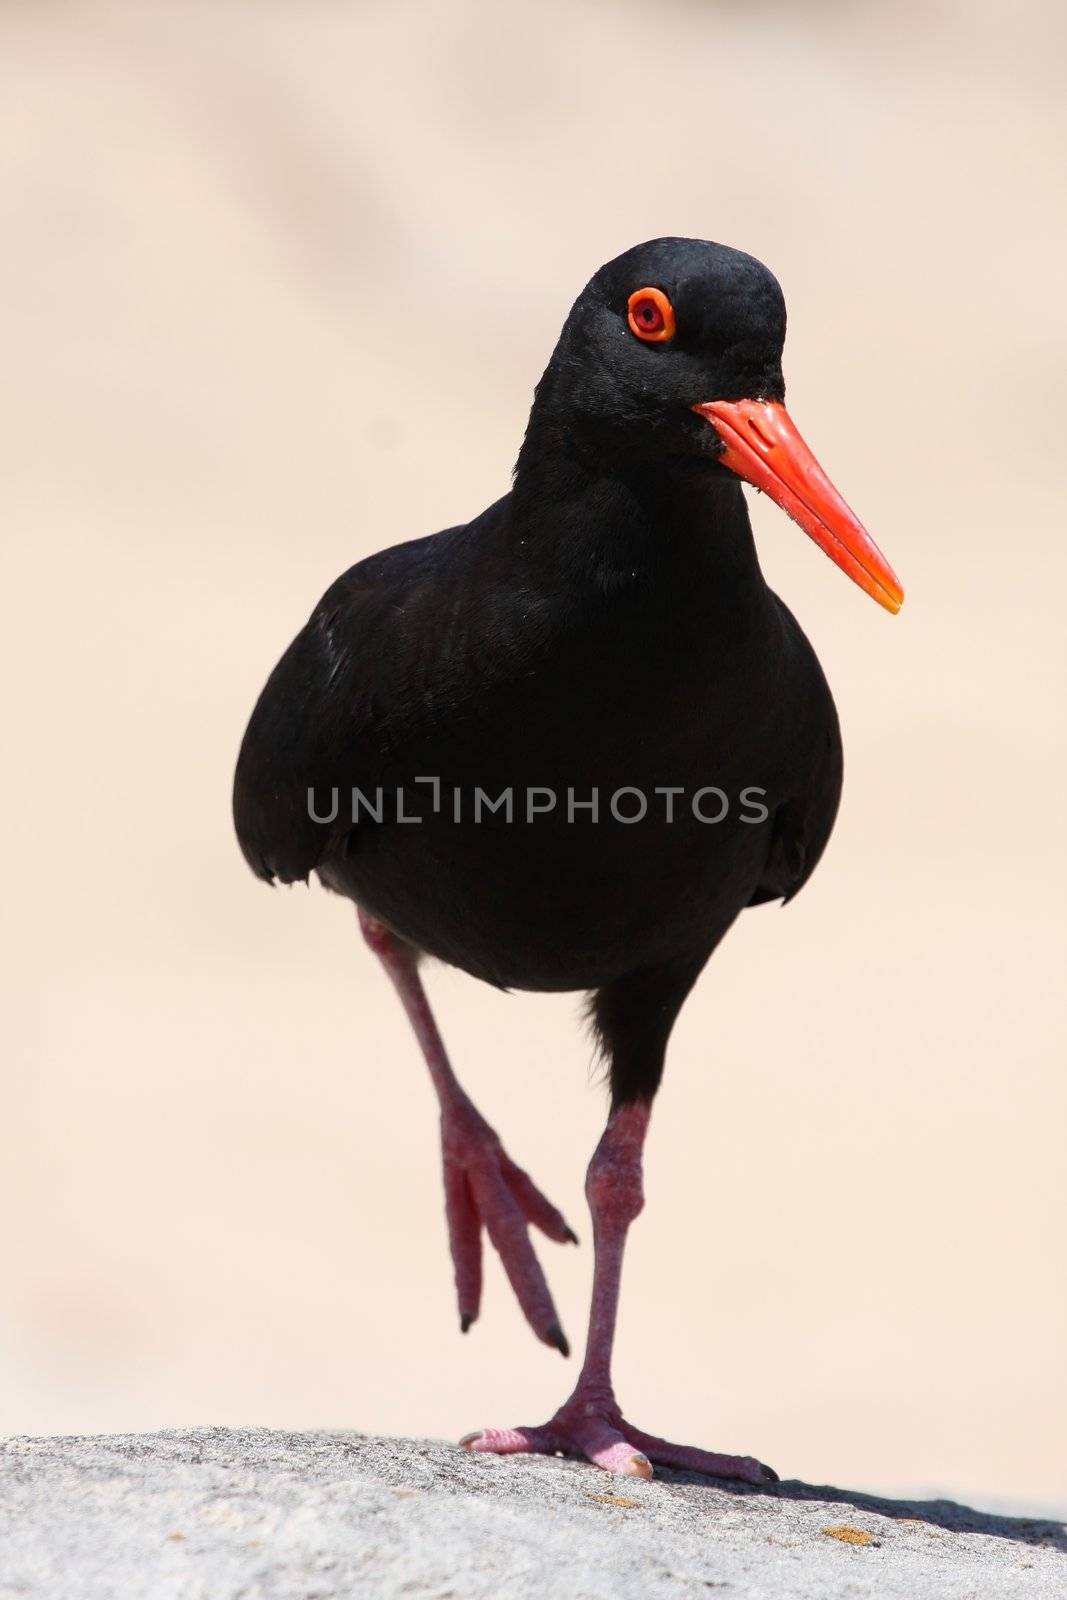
483 1186
590 1423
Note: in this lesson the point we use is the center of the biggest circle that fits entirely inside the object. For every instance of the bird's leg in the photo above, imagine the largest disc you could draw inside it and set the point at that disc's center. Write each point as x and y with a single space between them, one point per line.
590 1422
633 1016
483 1186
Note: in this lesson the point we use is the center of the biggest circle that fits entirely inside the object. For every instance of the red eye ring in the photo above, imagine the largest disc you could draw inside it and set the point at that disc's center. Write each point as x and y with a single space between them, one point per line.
650 315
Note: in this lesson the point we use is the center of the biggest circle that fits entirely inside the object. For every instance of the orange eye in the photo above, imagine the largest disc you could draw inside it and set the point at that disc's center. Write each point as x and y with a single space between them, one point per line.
650 315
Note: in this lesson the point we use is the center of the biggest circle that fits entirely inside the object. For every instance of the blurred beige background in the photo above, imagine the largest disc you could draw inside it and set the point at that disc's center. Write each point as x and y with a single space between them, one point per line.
276 282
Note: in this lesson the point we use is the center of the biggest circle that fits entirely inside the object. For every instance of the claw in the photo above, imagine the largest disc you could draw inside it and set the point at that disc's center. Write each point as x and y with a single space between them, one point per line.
609 1442
555 1336
465 1242
485 1189
508 1231
538 1211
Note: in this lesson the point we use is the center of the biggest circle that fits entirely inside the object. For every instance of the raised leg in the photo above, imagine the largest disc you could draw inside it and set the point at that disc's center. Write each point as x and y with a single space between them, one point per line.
590 1422
483 1186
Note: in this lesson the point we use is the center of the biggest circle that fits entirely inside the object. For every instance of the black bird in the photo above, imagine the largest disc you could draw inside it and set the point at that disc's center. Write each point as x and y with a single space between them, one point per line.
564 745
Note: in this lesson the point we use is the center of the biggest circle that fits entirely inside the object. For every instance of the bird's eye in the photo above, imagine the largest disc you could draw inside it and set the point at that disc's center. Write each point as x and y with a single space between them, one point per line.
650 314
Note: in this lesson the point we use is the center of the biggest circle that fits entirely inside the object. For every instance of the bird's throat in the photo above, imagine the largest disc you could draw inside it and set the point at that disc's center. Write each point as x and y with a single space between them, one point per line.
619 521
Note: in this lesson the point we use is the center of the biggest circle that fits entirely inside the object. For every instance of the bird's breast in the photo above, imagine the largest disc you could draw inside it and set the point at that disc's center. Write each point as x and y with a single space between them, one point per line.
607 807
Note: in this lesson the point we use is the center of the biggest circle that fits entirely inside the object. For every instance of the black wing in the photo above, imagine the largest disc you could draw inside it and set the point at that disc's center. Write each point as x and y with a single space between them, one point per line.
802 823
372 662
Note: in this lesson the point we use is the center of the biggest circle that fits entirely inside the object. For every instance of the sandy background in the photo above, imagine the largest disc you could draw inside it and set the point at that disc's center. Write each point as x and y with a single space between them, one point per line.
276 281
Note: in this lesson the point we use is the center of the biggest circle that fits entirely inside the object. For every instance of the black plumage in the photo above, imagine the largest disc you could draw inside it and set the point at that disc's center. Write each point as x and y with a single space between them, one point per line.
605 626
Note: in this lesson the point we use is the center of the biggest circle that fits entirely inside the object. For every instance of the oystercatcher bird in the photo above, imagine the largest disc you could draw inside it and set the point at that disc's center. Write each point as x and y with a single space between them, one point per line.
564 745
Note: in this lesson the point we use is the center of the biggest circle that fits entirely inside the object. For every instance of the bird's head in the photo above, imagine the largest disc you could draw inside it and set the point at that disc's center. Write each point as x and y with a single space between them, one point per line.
675 349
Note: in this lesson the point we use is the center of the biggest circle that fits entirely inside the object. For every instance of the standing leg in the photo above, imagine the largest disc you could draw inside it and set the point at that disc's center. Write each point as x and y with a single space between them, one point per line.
634 1019
483 1186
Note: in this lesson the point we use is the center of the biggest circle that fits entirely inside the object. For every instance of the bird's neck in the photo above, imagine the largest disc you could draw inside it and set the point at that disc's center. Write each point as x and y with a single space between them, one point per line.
619 521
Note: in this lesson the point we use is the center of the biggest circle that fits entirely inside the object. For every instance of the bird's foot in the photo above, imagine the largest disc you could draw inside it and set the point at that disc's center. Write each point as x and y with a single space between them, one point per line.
485 1188
598 1431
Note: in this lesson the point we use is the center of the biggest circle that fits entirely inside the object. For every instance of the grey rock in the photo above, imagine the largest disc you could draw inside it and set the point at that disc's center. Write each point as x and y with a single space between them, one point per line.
253 1514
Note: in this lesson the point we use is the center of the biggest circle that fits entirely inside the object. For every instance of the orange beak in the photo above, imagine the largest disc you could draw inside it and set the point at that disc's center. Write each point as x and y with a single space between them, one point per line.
764 448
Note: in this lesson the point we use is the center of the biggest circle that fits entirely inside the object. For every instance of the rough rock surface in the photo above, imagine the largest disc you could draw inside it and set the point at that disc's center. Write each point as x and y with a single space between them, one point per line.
251 1514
